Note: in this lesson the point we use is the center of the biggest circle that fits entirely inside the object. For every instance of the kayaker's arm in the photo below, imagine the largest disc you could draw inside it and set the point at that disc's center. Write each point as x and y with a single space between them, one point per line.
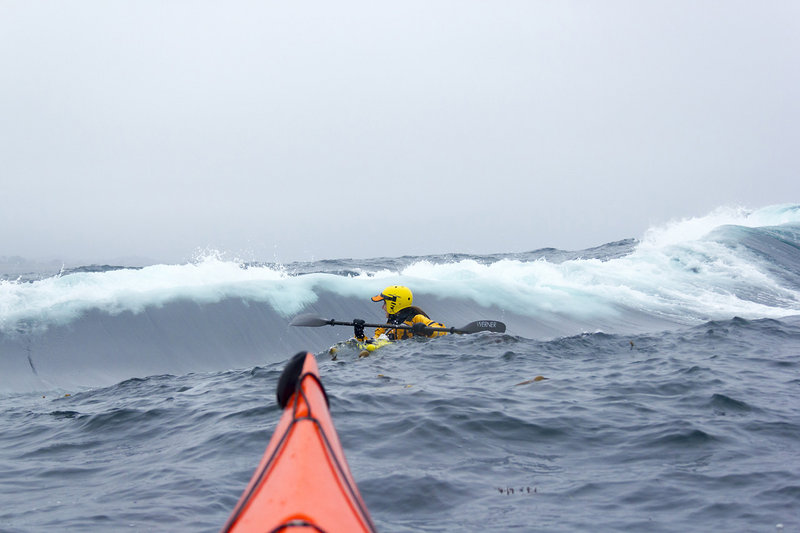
421 329
425 327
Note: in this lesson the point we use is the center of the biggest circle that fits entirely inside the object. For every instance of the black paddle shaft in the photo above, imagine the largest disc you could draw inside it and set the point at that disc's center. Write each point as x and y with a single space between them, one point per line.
473 327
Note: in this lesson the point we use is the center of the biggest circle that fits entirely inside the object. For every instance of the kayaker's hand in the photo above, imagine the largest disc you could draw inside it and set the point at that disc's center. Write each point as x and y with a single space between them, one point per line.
358 328
419 329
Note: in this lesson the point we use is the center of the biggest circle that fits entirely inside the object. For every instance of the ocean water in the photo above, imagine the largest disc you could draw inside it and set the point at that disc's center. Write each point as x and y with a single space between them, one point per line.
649 384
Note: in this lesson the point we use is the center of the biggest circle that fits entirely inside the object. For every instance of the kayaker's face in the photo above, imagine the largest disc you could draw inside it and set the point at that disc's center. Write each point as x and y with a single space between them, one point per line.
384 308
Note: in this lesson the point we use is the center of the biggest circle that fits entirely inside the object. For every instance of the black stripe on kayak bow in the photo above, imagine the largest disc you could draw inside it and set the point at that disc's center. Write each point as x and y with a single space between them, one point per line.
290 379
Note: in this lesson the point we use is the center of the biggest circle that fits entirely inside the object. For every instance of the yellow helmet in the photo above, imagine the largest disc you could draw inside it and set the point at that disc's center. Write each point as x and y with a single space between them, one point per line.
397 298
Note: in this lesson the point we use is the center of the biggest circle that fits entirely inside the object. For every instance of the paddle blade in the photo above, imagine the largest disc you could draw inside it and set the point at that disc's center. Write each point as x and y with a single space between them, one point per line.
310 321
483 325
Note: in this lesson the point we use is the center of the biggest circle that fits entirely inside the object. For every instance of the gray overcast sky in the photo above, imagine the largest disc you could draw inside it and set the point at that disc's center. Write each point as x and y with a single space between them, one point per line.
310 130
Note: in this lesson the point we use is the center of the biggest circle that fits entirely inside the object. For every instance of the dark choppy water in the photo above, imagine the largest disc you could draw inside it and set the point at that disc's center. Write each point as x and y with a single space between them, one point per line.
691 430
142 399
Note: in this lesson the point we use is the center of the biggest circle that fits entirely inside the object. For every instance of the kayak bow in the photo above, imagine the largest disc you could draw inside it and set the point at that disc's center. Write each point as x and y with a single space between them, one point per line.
303 482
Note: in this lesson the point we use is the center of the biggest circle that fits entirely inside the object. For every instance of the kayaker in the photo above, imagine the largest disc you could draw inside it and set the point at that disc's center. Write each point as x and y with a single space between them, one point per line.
397 306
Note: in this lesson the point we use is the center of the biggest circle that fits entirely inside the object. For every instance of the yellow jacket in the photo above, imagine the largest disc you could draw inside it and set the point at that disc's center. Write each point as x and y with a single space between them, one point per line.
414 315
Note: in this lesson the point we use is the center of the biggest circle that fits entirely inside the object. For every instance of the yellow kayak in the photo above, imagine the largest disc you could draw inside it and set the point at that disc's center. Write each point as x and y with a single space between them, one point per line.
362 348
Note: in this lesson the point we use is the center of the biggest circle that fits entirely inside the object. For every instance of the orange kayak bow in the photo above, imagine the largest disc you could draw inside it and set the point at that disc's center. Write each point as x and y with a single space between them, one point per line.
303 482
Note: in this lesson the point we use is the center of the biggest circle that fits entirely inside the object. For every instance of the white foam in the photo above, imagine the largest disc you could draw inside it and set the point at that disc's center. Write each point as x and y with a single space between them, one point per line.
674 272
62 298
694 228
